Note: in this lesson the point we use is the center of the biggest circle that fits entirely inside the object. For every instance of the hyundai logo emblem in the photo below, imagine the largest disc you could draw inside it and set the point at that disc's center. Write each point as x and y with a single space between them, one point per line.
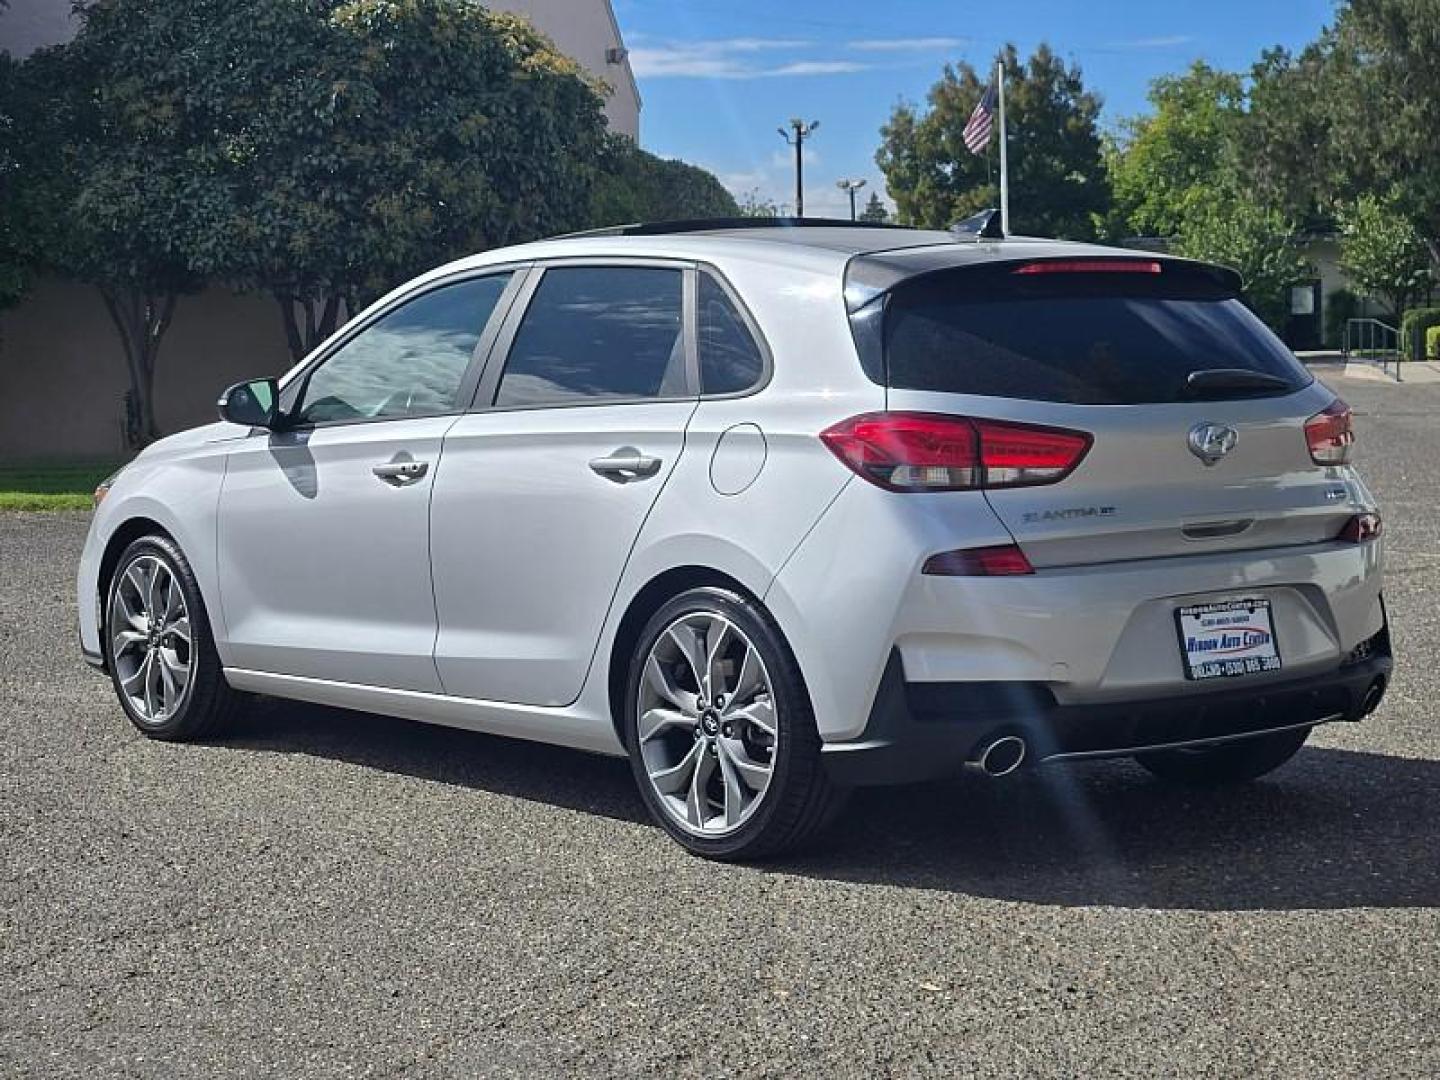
1211 442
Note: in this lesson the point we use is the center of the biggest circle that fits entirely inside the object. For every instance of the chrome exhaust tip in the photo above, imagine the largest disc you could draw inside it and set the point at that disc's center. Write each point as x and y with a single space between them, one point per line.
1001 757
1371 701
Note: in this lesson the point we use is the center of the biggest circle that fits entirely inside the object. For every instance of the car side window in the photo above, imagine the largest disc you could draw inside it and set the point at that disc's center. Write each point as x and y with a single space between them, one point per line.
409 362
594 333
730 358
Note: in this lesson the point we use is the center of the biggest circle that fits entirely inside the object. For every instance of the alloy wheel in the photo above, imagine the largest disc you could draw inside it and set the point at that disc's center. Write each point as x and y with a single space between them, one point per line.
150 639
706 724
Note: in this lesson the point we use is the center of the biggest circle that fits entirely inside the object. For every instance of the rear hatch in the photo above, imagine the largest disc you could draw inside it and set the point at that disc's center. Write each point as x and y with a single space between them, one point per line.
1196 412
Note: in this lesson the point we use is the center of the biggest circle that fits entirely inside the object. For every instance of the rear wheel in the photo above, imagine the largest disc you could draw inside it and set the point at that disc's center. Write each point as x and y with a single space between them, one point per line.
720 731
1228 763
158 645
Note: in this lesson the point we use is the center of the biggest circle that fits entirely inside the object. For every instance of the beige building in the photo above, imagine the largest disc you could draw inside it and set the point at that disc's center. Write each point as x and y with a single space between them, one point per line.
62 373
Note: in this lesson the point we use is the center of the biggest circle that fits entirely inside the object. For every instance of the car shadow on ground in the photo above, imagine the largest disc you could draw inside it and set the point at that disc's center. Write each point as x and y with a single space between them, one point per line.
1333 829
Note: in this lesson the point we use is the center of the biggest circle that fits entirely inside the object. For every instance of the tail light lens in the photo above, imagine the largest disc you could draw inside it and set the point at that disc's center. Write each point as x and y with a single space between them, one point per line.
911 451
1362 527
1331 434
1004 561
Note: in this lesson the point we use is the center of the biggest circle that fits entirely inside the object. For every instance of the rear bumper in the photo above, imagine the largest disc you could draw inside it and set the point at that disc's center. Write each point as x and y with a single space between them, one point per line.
926 731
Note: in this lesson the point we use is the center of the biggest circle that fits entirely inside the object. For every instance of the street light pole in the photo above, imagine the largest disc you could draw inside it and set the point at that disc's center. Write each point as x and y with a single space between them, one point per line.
801 132
850 187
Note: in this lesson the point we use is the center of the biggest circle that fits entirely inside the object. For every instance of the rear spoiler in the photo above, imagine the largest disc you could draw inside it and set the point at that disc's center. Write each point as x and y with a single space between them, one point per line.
871 276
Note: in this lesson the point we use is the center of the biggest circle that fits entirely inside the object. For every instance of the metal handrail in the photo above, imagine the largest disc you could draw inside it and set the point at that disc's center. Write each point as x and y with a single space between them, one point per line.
1373 339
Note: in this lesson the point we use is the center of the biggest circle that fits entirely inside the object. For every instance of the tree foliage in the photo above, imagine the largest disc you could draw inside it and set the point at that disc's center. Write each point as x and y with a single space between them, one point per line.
753 204
1057 178
634 185
1384 254
1257 242
875 211
367 140
321 150
1169 163
1388 59
124 191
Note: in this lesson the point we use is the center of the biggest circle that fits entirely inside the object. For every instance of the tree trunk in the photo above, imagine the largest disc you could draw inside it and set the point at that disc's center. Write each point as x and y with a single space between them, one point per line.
308 321
141 318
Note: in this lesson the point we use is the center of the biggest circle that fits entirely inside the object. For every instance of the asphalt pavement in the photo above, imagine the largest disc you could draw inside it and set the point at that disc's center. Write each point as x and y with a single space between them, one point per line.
331 894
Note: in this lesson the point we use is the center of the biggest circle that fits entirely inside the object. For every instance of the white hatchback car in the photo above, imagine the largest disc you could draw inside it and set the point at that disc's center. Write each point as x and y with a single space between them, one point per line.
776 509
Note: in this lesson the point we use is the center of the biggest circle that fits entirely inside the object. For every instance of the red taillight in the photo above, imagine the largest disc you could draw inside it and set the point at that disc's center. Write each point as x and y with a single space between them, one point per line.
1331 434
1362 527
907 451
1090 266
1003 561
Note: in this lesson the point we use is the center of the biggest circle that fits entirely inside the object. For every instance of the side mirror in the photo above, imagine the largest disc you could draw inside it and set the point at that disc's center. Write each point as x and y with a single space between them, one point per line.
251 403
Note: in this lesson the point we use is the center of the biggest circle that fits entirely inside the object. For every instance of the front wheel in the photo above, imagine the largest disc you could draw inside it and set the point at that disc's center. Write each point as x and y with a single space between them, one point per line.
720 731
1229 763
159 648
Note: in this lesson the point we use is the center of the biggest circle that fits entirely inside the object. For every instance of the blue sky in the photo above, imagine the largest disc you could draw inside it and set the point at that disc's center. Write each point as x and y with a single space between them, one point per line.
719 76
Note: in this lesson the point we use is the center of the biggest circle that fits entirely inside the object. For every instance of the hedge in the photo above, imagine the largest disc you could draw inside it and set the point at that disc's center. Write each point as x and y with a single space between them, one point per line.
1432 343
1414 327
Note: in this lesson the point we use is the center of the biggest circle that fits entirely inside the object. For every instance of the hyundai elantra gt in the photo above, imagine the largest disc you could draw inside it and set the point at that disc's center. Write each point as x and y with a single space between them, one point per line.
776 510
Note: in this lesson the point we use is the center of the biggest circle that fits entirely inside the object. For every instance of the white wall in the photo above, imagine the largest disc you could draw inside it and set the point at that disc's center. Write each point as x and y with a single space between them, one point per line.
28 25
585 30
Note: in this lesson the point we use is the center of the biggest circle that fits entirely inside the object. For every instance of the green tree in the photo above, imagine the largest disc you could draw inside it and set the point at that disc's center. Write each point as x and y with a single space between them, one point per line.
1168 164
875 211
753 204
113 167
383 137
1257 242
1386 108
634 186
1383 253
1287 141
318 149
1057 177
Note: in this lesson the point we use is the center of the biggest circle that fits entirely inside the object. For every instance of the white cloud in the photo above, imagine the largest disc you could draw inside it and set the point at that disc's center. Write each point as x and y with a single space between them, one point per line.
915 44
1166 42
729 58
813 67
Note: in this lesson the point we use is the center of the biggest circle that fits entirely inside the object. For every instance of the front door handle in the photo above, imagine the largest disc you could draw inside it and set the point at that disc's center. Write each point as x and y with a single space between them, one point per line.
400 473
625 465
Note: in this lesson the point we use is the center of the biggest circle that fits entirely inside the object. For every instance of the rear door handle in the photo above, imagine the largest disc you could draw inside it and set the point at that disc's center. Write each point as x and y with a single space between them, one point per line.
625 465
400 473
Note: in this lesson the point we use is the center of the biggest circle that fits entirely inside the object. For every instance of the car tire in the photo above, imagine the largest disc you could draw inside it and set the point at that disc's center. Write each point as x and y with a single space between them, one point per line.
756 786
1229 763
171 688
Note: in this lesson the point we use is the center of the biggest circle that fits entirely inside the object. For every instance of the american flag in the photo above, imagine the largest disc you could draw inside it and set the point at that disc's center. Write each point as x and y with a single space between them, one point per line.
981 123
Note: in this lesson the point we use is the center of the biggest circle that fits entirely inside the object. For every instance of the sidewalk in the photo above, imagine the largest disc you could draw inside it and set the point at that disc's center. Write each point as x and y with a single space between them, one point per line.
1411 371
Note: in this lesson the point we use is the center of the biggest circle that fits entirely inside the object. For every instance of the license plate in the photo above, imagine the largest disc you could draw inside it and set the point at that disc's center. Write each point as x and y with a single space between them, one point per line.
1226 639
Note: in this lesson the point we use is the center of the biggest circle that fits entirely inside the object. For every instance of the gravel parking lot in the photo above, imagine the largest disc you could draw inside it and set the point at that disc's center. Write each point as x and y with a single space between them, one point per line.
330 894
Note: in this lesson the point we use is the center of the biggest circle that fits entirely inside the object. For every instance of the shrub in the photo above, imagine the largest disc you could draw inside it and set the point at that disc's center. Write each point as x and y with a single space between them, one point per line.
1413 328
1432 343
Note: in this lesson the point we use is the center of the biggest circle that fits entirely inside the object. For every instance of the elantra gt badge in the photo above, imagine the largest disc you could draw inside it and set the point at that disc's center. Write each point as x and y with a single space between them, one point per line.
1211 442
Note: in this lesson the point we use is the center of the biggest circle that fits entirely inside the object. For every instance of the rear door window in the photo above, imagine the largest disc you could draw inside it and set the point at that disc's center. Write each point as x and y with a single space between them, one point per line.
597 333
730 359
1087 339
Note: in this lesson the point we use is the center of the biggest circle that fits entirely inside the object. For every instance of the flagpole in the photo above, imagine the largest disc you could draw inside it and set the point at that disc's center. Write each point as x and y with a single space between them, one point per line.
1004 164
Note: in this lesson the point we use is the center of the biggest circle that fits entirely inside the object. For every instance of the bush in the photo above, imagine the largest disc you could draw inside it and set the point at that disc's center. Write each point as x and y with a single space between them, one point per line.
1414 327
1340 306
1432 343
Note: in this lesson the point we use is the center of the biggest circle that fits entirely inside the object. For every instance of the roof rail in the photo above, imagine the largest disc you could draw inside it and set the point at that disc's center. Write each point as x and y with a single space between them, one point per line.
666 228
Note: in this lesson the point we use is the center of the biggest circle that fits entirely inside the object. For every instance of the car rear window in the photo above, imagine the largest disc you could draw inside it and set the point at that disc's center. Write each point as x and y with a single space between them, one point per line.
1077 338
